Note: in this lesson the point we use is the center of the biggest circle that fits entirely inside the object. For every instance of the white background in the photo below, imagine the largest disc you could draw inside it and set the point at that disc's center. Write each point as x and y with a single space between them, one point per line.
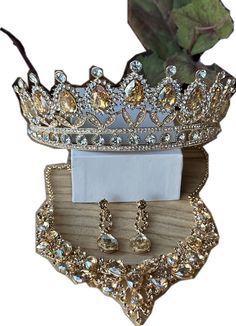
73 35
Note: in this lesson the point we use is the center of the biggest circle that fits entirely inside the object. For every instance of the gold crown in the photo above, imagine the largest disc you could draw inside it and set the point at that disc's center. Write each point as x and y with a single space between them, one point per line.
130 116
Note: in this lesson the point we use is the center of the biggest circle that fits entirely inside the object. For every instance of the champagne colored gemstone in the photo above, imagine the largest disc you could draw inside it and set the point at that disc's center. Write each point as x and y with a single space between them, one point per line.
194 243
195 99
52 235
66 247
216 98
67 102
167 97
40 103
134 93
140 243
54 138
224 107
40 218
107 243
100 99
27 109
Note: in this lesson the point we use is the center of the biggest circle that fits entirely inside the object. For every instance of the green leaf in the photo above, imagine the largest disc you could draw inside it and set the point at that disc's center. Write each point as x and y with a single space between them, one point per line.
180 3
151 21
186 67
201 24
164 6
167 28
153 67
145 5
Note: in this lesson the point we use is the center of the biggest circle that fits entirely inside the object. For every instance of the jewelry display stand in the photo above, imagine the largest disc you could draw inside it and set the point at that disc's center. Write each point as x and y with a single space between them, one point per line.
170 222
182 234
124 177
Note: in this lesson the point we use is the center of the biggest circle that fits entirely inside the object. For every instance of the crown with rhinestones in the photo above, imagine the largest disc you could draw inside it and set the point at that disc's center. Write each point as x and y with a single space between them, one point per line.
130 116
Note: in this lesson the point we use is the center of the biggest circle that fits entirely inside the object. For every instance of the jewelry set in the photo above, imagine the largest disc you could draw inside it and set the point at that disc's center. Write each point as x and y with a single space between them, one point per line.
131 116
109 244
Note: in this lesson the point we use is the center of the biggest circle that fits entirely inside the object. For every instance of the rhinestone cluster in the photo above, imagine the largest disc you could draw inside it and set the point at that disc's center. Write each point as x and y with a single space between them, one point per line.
134 287
129 116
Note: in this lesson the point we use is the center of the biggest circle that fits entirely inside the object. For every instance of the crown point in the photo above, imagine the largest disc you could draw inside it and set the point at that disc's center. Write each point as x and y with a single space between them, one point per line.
171 71
201 74
97 72
136 66
60 76
231 81
21 83
33 78
221 75
16 89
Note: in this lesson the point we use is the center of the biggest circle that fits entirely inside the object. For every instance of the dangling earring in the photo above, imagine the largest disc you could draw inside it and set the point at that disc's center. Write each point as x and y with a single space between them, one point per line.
140 243
106 242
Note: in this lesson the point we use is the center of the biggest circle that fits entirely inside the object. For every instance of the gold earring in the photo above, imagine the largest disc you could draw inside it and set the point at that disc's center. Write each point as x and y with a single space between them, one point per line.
106 242
140 243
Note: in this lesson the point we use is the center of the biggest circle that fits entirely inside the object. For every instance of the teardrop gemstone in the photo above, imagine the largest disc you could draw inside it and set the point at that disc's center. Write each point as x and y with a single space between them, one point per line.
167 97
27 109
216 99
195 99
107 243
40 103
140 243
224 107
100 99
67 102
134 93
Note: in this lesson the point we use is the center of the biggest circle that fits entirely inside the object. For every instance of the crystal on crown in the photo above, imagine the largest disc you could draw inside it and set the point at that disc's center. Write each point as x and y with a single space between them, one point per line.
129 116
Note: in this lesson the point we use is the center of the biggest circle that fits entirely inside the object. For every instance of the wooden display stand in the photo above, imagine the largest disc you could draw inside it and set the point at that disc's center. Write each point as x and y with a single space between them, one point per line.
170 221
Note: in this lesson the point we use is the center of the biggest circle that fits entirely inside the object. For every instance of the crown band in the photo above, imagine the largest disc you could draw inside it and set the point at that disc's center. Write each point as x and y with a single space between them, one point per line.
144 139
131 116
